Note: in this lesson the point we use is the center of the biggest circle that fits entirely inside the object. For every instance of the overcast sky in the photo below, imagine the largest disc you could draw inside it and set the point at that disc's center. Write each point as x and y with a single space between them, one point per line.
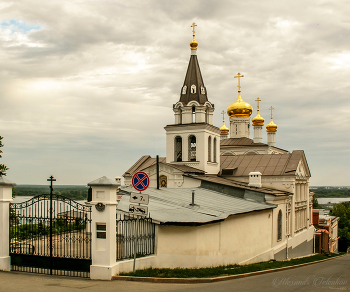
87 86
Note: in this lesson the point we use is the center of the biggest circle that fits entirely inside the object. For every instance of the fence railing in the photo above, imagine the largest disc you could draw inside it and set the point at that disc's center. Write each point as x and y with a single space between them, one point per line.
127 229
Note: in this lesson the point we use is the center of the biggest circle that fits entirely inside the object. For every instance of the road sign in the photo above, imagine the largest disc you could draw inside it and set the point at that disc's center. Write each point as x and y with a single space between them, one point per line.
140 181
138 210
139 198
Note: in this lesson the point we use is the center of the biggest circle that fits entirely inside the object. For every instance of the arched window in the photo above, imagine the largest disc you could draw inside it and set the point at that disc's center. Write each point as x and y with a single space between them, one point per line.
192 148
193 88
279 225
193 114
209 148
214 142
178 149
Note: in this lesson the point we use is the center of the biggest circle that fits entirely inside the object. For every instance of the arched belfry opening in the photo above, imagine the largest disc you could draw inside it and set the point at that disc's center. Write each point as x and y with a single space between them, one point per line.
178 149
192 148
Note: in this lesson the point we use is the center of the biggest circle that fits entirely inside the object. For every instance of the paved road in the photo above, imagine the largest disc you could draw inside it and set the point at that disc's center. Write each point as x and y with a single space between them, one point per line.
333 275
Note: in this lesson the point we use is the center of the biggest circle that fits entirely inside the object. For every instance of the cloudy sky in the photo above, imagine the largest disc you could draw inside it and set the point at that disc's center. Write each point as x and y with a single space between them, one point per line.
87 87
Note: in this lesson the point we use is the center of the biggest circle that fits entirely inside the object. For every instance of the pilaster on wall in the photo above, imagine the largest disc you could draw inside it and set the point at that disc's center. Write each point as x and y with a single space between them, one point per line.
5 199
103 228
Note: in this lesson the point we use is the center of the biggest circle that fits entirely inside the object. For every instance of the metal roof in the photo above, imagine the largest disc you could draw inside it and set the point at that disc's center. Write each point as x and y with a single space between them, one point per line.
168 205
240 142
147 161
267 164
238 184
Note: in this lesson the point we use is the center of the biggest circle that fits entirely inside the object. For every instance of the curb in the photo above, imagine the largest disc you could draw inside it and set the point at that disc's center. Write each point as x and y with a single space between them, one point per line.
211 280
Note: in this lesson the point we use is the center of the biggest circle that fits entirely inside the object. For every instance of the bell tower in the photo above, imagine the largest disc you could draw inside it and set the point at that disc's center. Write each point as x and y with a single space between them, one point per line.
193 140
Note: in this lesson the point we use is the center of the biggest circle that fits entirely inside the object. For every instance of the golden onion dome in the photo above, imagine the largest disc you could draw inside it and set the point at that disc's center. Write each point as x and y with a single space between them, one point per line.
239 108
224 130
258 120
194 44
271 127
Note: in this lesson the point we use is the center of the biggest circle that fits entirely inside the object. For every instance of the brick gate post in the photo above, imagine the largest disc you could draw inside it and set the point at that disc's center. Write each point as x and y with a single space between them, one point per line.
5 199
103 228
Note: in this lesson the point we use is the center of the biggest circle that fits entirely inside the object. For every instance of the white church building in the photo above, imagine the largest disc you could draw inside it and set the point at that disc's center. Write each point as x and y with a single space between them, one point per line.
223 197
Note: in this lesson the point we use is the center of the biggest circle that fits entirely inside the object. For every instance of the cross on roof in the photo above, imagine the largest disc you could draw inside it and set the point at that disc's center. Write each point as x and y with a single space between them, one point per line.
193 25
271 108
239 80
223 116
258 100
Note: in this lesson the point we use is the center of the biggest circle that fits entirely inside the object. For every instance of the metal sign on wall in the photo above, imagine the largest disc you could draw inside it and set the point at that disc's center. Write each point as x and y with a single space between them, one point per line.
139 198
138 210
140 181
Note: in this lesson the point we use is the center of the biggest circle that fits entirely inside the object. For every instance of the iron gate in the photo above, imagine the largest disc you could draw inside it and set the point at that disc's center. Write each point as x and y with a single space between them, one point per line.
51 234
127 241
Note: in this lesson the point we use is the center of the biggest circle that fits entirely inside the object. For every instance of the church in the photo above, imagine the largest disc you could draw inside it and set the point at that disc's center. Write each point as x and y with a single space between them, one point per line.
221 196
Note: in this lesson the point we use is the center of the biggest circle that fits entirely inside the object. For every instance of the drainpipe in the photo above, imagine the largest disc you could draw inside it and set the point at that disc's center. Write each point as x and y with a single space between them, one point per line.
157 172
288 225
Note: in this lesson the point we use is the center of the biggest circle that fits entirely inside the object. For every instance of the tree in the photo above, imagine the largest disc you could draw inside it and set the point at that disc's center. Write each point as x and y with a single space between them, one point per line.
342 211
3 167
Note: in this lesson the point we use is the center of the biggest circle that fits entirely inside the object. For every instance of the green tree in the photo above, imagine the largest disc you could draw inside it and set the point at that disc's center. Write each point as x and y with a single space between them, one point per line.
3 167
343 212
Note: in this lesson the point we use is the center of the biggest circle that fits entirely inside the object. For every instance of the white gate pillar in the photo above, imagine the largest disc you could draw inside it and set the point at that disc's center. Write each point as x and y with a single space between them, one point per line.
103 228
5 199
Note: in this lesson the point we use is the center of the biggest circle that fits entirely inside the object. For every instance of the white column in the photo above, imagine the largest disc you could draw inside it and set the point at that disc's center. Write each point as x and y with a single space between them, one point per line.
257 134
5 199
103 228
271 138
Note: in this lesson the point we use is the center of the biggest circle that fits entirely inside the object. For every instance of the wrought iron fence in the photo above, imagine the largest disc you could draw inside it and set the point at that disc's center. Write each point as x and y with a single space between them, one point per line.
127 229
51 235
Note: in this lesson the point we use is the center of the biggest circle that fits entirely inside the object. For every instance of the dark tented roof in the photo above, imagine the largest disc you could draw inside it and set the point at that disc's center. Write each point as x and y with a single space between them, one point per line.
193 77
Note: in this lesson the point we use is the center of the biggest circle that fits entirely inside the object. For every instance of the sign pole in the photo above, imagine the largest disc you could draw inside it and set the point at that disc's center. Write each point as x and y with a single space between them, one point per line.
135 243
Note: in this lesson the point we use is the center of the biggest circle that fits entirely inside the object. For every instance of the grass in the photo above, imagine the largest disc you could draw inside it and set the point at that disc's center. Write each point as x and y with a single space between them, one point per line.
224 270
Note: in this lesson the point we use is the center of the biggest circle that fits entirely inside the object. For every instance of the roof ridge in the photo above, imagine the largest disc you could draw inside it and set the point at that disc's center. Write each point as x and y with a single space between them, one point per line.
137 164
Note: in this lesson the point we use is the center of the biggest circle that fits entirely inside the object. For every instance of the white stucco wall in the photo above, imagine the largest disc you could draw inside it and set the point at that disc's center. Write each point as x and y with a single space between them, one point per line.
228 242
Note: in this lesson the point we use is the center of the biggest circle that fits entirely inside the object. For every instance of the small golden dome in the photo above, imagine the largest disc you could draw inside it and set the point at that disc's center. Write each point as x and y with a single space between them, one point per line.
224 130
271 127
258 120
194 44
239 108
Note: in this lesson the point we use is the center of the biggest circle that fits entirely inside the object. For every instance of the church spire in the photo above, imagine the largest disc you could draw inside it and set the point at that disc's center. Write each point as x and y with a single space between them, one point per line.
193 88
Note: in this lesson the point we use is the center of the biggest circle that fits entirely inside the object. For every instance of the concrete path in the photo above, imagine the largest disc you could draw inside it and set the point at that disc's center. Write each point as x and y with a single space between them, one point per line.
326 276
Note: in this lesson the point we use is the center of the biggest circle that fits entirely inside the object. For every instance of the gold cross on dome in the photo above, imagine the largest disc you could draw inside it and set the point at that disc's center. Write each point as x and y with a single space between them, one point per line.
223 116
258 100
193 25
239 80
271 108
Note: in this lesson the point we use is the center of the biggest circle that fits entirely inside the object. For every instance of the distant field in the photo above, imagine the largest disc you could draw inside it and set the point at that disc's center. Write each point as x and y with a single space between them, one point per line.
73 192
323 192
